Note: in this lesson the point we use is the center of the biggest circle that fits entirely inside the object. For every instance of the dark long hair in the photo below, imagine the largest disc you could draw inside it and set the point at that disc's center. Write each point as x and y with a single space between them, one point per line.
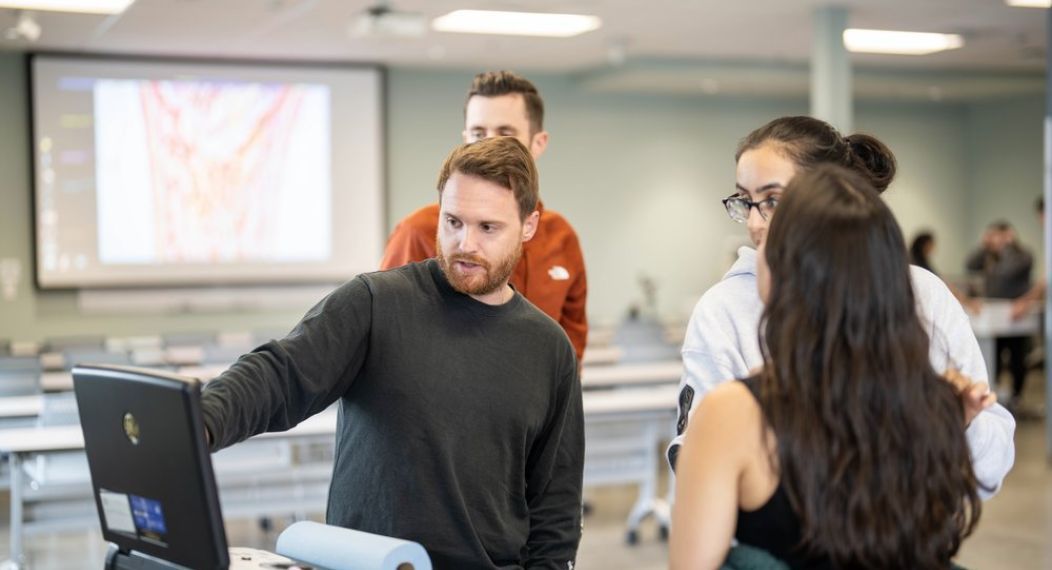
808 142
871 446
918 256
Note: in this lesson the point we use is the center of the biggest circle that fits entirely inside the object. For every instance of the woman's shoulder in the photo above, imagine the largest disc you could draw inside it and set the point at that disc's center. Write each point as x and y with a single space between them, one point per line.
731 405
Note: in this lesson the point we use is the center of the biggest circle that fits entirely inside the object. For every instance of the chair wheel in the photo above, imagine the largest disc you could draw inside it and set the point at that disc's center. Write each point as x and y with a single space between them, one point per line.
632 538
663 533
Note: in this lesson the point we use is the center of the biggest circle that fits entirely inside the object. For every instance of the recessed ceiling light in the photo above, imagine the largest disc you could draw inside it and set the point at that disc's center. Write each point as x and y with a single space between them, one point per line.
899 43
84 6
515 23
1030 3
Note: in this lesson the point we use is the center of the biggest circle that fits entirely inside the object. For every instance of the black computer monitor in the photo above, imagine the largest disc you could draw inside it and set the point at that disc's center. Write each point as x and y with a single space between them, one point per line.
151 470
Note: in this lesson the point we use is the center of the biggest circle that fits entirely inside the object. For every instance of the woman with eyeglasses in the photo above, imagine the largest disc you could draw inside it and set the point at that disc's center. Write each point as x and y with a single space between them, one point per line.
847 449
722 337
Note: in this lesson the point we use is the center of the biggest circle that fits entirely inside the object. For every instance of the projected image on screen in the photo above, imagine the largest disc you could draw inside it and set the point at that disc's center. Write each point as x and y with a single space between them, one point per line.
212 172
191 173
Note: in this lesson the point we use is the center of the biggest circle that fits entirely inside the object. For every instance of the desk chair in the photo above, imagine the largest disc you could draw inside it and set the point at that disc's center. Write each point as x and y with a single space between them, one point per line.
19 375
58 484
75 342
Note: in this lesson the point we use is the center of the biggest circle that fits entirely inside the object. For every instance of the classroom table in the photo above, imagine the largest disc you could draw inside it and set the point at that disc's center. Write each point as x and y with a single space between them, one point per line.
994 320
632 374
624 428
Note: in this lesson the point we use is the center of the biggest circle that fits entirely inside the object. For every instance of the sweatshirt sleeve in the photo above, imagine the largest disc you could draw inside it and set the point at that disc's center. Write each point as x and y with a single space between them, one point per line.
573 318
953 344
990 440
554 473
283 382
711 356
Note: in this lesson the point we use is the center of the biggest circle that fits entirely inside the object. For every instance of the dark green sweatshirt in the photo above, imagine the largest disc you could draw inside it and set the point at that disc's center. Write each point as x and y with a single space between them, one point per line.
460 423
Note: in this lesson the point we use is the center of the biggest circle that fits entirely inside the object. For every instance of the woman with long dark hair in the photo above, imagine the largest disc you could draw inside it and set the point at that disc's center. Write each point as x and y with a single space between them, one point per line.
921 249
721 338
847 449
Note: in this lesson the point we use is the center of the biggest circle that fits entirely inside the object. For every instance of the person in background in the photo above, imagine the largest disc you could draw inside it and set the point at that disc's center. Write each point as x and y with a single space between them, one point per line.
460 422
721 340
1005 267
847 449
921 249
550 273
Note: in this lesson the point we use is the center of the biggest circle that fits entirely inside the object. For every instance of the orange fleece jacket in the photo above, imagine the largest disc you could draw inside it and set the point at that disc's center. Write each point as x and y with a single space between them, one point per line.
550 273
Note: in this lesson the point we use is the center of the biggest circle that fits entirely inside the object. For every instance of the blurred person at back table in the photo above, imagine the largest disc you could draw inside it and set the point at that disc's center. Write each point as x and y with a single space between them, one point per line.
550 273
1005 267
921 250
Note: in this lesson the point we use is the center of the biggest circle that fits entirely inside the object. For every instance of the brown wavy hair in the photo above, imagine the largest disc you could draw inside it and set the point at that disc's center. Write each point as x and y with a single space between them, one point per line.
871 446
498 83
808 142
501 160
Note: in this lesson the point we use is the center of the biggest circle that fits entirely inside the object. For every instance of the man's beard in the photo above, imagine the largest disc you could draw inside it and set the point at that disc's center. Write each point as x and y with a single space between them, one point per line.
492 279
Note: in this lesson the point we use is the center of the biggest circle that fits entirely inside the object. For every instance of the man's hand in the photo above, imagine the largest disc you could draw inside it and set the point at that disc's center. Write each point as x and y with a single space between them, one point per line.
975 396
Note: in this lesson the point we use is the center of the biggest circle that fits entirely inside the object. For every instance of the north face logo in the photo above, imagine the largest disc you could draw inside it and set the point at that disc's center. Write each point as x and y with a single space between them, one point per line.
559 273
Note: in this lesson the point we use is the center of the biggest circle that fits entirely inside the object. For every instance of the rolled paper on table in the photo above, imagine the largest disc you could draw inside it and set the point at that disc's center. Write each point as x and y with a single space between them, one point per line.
337 548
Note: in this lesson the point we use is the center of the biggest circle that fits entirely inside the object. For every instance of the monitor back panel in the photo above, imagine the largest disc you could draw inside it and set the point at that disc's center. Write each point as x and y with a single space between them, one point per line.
150 465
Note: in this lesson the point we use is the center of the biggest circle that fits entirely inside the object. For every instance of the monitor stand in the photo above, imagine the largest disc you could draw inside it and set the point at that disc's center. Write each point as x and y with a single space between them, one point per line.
240 559
132 560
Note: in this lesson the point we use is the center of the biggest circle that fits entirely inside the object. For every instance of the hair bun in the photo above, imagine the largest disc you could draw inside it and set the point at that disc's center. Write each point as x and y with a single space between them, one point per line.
873 158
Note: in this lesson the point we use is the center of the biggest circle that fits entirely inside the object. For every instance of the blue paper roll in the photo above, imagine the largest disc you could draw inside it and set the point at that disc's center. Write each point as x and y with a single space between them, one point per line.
339 548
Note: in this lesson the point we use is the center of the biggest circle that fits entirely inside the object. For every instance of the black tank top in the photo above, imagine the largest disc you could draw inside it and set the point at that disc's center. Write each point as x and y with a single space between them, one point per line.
775 527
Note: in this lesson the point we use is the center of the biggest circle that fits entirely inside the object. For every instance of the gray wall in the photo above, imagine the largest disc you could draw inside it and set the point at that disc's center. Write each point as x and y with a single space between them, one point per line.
1006 167
640 177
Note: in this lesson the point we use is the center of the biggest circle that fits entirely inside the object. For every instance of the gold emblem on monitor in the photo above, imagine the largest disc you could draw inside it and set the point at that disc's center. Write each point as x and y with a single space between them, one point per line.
131 428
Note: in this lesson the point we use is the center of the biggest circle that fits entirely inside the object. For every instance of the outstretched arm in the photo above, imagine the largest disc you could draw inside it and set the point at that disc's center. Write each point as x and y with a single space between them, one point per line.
285 381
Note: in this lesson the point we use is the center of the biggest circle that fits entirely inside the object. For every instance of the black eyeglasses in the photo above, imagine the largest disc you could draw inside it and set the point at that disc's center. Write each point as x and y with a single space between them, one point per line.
738 207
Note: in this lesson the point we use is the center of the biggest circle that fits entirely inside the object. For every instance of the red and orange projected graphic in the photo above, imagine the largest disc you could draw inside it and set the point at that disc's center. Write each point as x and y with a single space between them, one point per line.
212 172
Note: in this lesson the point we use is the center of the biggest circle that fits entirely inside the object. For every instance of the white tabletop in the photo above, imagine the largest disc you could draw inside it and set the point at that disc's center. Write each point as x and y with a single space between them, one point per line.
53 438
995 319
20 406
56 381
631 400
601 355
664 372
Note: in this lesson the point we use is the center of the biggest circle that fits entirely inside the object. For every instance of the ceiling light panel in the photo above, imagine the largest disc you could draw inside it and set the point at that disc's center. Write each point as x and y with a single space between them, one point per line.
1029 3
516 23
82 6
899 43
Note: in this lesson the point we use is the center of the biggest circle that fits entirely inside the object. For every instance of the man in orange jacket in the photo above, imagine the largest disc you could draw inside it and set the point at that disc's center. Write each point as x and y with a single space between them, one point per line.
550 272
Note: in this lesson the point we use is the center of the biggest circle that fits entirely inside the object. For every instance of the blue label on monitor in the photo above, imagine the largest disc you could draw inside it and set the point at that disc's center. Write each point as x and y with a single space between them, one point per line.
148 516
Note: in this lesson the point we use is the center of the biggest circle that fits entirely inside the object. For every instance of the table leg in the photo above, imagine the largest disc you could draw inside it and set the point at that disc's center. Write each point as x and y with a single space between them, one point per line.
17 559
988 346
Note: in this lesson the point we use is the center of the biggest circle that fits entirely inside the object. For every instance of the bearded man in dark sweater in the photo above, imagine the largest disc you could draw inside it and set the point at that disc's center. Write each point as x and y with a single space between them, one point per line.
460 422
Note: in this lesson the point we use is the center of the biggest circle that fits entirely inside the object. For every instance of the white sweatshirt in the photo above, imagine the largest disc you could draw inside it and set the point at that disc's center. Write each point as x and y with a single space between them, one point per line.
722 343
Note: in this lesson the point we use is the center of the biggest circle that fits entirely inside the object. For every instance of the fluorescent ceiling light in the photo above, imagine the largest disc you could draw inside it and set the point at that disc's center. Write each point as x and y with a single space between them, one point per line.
899 43
84 6
515 23
1030 3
